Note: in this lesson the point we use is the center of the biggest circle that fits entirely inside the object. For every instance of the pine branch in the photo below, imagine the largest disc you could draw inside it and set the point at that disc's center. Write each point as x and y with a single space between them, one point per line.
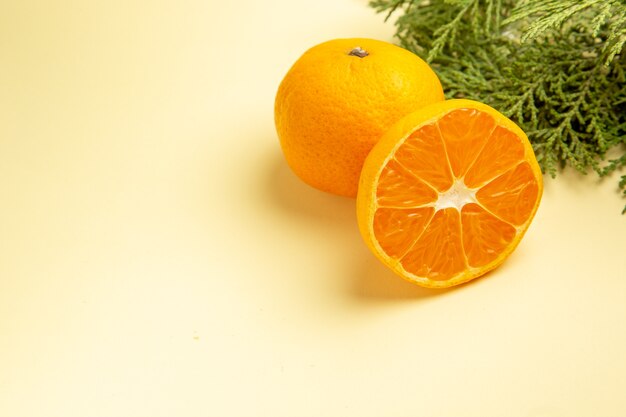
553 66
593 16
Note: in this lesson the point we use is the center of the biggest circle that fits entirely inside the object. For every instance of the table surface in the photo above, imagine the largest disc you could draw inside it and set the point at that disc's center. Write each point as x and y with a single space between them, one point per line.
158 257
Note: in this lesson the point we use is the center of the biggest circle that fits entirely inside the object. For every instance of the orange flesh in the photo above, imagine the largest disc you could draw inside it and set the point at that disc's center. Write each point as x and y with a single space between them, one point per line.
465 133
453 195
438 254
423 155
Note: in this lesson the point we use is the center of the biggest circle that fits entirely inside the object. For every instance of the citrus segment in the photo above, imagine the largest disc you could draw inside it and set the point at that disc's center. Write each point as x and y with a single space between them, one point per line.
424 155
503 150
465 132
399 188
397 230
512 195
448 193
484 235
438 253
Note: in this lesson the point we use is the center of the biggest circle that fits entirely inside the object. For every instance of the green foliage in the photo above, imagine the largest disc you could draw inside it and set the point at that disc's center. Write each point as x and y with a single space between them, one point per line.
597 17
553 66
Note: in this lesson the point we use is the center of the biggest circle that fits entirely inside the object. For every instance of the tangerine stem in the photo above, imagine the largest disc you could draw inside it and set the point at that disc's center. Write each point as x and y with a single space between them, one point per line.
358 51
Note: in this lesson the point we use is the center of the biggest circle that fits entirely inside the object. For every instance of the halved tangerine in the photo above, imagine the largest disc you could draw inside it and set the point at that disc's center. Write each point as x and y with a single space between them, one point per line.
448 193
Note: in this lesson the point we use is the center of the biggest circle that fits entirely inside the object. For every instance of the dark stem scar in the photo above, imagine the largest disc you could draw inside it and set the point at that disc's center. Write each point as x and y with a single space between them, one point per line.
358 51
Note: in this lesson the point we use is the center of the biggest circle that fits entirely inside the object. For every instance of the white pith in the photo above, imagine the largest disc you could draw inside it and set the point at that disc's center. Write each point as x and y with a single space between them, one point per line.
456 196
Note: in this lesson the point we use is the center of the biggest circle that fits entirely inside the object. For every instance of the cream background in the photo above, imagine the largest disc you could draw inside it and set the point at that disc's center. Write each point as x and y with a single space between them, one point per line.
158 258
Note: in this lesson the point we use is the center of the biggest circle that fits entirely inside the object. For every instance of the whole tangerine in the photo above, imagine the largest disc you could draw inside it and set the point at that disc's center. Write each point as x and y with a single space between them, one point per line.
338 99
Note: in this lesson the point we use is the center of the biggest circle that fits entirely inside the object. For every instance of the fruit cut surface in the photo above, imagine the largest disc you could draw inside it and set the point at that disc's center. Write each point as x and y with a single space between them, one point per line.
448 193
